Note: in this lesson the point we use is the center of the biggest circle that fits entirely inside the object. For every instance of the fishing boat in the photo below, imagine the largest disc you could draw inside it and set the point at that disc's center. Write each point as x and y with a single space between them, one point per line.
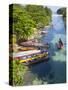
31 57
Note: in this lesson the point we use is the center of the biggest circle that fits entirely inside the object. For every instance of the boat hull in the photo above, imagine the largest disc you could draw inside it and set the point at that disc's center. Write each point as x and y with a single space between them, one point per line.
59 46
35 61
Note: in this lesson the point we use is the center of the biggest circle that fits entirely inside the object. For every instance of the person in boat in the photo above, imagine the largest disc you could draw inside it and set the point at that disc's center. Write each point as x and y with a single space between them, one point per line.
60 43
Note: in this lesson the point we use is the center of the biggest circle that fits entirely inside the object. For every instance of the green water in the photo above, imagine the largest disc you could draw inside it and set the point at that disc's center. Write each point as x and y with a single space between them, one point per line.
53 71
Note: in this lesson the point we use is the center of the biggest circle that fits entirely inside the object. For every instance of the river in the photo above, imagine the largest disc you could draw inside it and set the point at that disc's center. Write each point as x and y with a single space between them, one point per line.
53 71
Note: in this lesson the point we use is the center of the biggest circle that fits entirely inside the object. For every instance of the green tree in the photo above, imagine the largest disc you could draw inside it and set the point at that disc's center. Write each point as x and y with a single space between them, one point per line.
41 15
22 23
23 19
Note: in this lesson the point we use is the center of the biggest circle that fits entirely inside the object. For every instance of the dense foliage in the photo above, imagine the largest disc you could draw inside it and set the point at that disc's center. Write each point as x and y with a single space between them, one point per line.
16 72
63 12
22 23
41 15
25 18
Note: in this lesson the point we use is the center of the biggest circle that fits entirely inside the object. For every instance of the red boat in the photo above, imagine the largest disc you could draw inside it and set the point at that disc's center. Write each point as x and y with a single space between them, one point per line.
59 46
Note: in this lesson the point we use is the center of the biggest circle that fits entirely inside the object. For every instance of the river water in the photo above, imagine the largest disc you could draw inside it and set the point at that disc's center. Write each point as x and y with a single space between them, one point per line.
53 71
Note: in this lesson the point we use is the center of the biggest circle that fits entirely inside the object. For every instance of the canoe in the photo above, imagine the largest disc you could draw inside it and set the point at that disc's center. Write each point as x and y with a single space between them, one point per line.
26 48
35 58
30 57
35 61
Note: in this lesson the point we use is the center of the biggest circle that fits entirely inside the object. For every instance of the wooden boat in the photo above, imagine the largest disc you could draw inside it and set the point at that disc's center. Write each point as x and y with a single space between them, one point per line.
26 48
34 61
32 57
35 58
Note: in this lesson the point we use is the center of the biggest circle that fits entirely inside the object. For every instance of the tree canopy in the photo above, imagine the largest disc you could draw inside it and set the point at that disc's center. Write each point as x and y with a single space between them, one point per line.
39 14
24 18
22 24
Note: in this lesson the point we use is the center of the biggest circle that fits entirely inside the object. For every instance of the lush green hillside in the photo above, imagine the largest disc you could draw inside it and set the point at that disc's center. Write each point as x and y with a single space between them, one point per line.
23 19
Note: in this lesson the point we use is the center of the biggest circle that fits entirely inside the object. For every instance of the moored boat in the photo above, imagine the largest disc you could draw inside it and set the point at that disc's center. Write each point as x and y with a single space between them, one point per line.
31 57
35 61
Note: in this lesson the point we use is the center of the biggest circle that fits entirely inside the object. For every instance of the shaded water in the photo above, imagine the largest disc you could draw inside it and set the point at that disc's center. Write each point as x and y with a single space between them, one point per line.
53 71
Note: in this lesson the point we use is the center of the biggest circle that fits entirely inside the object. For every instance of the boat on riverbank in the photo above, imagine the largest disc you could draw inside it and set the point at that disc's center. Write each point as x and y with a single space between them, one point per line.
37 60
34 44
31 57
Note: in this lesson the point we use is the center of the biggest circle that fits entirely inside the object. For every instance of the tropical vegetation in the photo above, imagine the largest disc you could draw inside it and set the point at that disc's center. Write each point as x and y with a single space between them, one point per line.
23 19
